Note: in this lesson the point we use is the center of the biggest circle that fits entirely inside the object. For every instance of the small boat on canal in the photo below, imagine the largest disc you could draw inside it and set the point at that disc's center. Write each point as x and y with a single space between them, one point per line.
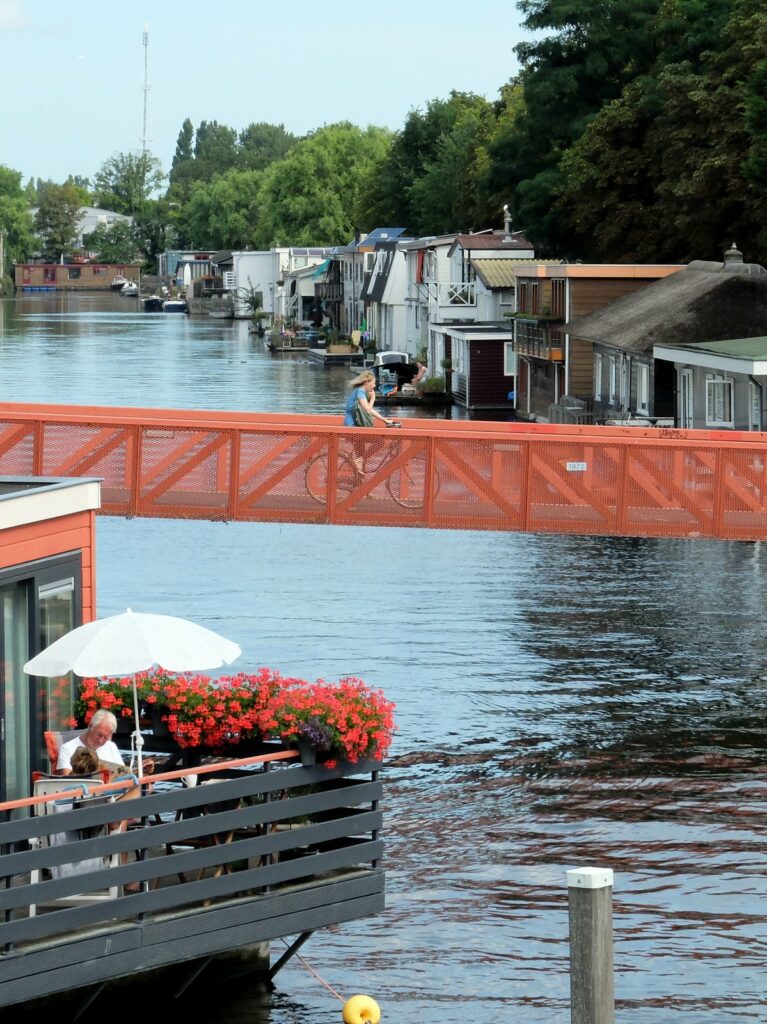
152 304
129 288
118 282
175 306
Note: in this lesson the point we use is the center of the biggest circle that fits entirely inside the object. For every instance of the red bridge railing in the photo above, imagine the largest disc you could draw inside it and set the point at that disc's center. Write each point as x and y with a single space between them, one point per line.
622 481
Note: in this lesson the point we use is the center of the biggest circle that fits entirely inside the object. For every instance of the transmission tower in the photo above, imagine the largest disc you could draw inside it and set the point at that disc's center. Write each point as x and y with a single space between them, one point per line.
145 38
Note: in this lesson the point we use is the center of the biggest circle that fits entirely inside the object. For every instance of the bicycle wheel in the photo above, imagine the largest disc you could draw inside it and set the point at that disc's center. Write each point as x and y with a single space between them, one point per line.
407 485
316 477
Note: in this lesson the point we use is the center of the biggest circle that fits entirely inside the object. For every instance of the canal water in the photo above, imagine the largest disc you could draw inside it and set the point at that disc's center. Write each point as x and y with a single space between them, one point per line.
562 702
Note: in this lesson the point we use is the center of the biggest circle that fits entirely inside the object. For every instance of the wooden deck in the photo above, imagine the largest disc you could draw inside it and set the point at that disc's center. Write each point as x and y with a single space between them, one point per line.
261 849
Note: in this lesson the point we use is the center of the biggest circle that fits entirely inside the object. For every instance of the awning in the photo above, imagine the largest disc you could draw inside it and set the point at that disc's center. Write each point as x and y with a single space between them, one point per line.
321 268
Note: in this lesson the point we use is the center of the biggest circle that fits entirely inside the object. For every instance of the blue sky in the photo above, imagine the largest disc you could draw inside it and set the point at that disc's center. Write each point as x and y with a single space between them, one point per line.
72 74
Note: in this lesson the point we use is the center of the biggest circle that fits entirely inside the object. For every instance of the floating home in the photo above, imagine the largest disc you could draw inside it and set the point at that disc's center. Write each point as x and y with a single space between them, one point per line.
227 855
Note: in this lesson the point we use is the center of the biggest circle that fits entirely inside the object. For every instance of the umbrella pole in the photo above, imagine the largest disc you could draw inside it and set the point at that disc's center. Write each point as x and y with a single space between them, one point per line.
138 739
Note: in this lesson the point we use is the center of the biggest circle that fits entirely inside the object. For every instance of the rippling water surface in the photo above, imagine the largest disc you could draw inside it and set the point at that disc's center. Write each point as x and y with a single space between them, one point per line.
562 702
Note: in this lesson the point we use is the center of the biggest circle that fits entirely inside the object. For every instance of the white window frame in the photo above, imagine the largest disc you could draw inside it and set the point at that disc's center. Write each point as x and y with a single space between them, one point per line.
755 406
613 379
643 387
598 377
686 399
720 401
509 359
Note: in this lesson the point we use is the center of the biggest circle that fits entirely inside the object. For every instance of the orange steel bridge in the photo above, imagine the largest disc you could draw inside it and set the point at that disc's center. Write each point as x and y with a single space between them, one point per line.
470 475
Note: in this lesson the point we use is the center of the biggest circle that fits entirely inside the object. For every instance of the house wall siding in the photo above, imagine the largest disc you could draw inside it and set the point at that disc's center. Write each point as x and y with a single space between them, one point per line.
487 383
581 368
587 296
35 541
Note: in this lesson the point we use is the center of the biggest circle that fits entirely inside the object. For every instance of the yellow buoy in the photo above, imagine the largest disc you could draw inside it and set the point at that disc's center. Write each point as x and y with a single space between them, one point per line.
361 1010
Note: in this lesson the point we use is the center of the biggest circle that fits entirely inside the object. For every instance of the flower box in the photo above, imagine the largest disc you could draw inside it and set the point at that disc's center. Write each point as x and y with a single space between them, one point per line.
347 720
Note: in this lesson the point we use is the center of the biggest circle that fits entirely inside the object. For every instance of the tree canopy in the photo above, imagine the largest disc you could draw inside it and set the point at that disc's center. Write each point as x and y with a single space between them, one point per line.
15 220
56 220
311 196
126 181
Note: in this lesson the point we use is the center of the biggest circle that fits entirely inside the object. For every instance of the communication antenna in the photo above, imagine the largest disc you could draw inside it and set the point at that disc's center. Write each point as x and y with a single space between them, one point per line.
145 39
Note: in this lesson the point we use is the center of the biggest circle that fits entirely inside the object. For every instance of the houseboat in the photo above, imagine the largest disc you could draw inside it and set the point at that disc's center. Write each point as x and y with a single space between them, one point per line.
288 846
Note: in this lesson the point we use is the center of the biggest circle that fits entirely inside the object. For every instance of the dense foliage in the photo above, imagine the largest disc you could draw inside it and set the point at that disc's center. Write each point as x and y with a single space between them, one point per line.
635 130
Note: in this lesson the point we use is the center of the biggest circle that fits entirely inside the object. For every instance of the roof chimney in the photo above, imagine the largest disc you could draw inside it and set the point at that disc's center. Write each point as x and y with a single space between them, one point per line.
506 223
733 255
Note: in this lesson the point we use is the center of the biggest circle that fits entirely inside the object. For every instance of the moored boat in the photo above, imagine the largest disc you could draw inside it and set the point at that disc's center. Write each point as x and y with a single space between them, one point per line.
175 306
129 288
118 282
152 304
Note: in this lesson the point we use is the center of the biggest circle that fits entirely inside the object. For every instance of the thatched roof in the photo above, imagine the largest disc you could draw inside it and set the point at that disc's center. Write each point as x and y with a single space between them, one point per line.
702 302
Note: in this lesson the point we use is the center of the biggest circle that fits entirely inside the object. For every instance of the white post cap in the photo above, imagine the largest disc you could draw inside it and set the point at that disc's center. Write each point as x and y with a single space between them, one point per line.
589 878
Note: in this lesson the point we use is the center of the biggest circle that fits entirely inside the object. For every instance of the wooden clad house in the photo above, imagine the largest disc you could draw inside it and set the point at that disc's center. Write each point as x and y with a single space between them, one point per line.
47 587
704 302
552 363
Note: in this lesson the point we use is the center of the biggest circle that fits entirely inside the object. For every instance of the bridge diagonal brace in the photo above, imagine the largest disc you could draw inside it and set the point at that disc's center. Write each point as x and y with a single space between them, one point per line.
217 443
91 452
13 434
365 486
292 949
475 482
301 457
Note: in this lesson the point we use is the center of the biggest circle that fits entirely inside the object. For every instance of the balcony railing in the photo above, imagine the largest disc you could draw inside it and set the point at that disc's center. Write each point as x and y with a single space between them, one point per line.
539 340
260 848
449 294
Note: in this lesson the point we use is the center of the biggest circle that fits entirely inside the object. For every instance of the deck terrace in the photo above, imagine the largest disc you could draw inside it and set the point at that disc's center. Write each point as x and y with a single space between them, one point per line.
262 848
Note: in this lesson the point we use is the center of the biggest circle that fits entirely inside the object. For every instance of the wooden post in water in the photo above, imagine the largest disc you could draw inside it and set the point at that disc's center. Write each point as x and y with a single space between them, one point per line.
590 900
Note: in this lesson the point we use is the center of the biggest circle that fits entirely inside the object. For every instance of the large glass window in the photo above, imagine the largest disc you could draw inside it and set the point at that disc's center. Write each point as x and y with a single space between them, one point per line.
17 692
40 602
57 617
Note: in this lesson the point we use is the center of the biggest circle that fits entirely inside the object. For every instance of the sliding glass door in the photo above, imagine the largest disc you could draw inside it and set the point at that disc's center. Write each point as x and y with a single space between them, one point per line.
40 602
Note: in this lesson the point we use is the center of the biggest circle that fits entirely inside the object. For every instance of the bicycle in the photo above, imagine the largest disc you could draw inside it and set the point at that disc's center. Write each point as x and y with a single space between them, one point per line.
405 485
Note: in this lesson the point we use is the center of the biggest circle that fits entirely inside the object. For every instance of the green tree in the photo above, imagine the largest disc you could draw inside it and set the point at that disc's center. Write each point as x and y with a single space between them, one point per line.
385 196
113 243
154 231
56 220
665 171
222 214
591 52
311 196
452 191
15 220
126 180
260 144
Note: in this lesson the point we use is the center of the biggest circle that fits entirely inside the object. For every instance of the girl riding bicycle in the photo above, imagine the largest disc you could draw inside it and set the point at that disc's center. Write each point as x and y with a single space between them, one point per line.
359 410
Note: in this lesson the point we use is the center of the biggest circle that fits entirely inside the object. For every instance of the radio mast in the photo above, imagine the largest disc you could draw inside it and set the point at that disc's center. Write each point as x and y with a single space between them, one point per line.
145 39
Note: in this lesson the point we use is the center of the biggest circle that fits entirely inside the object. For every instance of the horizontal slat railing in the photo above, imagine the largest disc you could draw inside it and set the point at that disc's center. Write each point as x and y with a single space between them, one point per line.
259 824
621 481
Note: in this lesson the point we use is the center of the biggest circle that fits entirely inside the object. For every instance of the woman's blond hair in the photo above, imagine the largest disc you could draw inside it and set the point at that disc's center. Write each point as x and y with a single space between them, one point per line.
361 379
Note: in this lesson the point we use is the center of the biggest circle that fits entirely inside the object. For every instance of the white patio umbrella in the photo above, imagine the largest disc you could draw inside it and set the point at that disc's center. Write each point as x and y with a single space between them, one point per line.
134 642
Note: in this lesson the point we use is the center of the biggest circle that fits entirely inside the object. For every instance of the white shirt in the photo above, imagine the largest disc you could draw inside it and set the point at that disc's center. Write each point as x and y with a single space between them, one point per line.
106 752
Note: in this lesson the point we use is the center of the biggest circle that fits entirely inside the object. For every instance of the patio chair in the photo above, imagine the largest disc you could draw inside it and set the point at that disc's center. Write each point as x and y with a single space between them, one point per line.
64 785
53 741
